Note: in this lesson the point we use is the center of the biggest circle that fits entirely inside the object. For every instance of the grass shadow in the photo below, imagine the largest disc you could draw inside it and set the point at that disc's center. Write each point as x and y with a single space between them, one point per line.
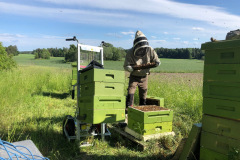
56 95
59 62
52 144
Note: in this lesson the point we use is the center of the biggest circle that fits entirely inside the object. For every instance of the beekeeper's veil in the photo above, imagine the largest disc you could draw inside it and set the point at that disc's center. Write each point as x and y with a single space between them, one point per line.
140 44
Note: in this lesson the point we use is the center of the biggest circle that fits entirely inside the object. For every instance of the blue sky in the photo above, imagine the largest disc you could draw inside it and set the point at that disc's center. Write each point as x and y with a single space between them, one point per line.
32 24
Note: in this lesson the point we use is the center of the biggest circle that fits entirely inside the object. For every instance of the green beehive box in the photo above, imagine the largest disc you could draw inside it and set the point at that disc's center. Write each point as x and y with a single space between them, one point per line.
222 108
102 102
102 89
207 154
149 128
222 52
102 75
218 143
148 117
222 72
221 90
221 126
96 116
151 100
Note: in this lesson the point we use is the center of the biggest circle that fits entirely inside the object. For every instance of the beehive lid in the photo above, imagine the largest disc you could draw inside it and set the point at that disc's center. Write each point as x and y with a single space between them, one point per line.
221 44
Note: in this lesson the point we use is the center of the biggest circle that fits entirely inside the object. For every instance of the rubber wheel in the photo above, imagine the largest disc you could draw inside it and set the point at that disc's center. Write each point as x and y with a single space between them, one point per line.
70 126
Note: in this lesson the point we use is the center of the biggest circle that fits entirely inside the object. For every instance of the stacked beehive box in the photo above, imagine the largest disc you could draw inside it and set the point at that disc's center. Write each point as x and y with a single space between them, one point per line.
150 119
221 100
102 97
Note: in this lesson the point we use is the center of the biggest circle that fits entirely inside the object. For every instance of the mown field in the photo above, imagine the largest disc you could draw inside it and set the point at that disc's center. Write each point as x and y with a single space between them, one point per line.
35 97
167 65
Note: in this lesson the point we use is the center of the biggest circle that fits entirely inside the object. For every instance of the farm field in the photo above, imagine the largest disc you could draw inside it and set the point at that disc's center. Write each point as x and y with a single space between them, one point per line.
35 97
167 65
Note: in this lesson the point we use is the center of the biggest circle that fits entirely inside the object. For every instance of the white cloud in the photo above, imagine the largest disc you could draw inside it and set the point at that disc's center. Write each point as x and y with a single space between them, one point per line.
124 13
86 16
157 41
165 32
195 39
154 37
210 14
198 29
128 33
176 38
116 35
10 38
185 42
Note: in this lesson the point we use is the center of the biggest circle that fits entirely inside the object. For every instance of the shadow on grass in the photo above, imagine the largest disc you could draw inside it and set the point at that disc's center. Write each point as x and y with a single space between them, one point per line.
85 156
56 95
59 62
46 133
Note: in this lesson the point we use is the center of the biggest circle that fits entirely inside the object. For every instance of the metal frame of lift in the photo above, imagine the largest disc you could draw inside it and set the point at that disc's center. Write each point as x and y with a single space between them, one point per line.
84 132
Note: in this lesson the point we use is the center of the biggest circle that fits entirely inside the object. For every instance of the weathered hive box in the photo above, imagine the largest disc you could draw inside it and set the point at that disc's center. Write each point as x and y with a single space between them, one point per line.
146 120
207 154
217 143
222 72
221 90
102 75
221 99
101 89
221 126
222 108
222 52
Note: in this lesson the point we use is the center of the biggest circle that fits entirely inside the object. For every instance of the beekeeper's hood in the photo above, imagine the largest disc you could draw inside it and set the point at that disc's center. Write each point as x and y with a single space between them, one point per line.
140 44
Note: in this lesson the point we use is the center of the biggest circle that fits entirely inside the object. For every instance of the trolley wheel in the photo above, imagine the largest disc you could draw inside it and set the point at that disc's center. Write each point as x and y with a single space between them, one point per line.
69 125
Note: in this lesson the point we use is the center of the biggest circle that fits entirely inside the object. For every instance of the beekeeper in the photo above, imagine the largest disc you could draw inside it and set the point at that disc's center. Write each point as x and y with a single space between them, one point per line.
141 54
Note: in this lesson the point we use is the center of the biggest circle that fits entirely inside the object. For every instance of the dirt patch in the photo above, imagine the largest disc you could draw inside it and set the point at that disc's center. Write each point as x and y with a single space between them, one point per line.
150 108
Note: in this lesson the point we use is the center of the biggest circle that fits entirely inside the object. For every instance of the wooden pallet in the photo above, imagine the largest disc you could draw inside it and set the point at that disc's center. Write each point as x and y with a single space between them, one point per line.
147 137
137 138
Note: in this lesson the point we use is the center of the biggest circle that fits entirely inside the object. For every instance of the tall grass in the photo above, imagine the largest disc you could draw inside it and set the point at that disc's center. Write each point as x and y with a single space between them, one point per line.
182 94
32 106
34 100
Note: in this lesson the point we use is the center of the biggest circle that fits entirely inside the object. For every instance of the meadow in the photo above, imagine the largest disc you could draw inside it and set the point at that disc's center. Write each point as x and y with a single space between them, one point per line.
35 97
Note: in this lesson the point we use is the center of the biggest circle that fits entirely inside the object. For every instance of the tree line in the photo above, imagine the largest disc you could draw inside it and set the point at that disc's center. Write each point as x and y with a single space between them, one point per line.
110 53
6 61
12 50
180 53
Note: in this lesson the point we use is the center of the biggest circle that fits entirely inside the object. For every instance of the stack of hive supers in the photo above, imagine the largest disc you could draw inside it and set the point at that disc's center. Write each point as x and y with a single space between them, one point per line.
221 100
102 97
150 119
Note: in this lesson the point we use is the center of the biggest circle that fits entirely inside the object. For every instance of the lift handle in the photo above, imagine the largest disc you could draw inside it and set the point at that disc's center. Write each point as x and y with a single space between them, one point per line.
72 39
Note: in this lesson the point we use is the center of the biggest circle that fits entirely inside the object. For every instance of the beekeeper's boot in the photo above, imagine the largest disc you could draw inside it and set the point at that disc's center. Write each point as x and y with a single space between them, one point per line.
142 102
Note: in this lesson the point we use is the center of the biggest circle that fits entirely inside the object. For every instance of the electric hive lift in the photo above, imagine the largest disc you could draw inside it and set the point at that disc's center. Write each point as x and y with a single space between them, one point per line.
73 127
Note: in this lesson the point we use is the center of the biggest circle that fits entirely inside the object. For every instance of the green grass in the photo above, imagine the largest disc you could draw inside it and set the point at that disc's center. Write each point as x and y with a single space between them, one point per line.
167 65
180 66
34 100
28 59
